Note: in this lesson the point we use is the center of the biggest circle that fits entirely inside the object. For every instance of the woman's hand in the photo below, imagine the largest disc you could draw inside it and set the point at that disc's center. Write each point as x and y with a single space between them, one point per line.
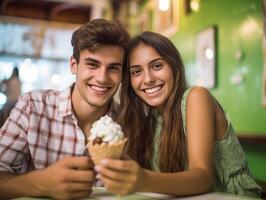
121 176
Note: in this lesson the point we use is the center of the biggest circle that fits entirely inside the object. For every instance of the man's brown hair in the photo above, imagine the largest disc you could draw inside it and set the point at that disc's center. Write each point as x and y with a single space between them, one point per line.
97 33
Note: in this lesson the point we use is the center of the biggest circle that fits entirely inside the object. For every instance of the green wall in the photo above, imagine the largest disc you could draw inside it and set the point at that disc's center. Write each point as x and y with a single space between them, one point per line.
240 29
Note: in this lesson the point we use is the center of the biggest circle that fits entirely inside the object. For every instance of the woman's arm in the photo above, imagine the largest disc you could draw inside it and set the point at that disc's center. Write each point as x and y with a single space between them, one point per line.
125 176
200 127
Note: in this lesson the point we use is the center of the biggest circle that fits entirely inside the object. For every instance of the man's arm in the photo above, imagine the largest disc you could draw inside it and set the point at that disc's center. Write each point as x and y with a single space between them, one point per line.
62 180
12 186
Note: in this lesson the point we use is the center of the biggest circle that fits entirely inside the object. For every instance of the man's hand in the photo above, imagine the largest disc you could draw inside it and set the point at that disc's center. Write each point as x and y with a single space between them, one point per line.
69 178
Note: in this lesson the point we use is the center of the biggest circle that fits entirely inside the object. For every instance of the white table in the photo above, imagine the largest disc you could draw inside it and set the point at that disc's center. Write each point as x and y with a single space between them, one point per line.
99 193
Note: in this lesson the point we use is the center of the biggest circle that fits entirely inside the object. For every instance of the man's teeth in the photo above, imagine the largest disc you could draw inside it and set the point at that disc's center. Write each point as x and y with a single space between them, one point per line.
152 90
99 89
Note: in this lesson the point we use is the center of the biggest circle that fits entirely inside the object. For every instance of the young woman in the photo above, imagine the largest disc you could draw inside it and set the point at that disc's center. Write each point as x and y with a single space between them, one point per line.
181 139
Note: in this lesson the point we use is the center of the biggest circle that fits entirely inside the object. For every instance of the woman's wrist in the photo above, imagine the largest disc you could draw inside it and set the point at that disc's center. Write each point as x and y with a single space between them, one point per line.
145 181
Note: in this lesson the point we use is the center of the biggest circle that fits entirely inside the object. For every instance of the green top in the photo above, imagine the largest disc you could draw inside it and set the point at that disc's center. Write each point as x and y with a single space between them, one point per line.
231 171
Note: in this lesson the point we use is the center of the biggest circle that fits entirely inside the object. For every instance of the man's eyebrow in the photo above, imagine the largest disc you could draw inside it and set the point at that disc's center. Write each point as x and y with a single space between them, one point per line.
89 59
92 60
116 64
152 61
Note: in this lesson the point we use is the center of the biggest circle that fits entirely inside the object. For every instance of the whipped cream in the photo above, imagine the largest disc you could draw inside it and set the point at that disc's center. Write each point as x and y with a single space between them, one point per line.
106 129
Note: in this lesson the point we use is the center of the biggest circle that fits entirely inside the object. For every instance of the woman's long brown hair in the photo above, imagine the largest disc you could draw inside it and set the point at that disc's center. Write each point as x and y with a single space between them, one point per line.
138 120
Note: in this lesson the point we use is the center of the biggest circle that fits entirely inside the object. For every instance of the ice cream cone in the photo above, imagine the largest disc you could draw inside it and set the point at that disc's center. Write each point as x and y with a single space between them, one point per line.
105 150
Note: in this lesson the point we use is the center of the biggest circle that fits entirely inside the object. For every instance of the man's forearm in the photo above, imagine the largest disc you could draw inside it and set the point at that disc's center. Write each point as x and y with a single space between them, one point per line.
13 186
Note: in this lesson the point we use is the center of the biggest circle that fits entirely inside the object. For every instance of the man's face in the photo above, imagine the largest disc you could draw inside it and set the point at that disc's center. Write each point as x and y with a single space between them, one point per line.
98 75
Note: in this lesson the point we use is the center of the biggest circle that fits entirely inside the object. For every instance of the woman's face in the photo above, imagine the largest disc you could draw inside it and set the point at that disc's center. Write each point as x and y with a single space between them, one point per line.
151 76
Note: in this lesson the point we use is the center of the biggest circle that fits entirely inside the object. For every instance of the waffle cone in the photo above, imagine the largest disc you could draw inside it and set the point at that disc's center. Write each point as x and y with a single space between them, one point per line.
104 150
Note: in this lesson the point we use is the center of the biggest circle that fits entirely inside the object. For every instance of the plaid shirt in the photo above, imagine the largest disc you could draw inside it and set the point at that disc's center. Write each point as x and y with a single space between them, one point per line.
40 130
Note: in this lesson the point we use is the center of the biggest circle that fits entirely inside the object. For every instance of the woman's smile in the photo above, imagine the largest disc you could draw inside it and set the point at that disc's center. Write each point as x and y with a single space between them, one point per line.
152 90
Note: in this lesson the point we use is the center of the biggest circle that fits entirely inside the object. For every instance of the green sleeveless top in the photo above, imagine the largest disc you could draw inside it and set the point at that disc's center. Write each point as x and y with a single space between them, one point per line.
231 172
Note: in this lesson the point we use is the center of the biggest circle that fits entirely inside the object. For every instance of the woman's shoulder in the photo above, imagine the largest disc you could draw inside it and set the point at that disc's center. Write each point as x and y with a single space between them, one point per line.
198 91
199 100
194 100
197 94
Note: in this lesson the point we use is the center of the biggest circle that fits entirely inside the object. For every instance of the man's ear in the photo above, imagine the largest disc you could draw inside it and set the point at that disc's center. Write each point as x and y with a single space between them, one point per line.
73 65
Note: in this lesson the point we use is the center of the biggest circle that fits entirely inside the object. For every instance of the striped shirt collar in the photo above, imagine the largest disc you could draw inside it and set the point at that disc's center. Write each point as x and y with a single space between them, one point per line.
64 102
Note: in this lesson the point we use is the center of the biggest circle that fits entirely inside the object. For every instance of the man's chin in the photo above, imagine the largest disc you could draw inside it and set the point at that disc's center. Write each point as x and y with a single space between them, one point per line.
100 103
100 100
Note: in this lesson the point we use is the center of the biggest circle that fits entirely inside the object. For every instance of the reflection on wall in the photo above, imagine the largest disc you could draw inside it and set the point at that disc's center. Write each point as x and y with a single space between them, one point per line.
56 43
36 73
35 39
39 49
24 40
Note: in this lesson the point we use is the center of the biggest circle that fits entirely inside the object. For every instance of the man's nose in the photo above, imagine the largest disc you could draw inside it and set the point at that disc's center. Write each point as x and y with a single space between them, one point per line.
102 75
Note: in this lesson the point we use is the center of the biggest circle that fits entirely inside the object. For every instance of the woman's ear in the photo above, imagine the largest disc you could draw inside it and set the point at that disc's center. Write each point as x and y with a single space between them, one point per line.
73 65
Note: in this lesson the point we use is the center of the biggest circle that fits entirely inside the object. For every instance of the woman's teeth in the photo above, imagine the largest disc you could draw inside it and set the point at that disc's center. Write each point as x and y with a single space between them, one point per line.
152 90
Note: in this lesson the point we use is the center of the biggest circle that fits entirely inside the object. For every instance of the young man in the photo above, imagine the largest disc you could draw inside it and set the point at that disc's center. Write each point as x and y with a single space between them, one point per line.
43 142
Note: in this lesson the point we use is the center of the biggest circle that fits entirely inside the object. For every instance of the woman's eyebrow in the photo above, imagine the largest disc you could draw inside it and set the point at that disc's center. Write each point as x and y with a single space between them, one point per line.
156 59
133 66
150 62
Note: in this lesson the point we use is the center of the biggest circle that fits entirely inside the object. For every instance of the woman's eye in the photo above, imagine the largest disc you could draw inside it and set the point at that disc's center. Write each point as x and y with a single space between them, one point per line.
135 72
157 66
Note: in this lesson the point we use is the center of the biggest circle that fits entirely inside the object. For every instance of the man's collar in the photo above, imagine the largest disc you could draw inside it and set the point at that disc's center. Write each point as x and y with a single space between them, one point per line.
64 103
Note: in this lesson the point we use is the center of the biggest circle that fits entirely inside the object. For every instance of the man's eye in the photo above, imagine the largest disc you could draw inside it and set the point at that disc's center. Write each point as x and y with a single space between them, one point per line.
114 68
92 65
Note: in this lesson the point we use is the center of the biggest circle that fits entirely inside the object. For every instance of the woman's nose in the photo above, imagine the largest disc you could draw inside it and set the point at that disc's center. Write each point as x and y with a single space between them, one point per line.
149 78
